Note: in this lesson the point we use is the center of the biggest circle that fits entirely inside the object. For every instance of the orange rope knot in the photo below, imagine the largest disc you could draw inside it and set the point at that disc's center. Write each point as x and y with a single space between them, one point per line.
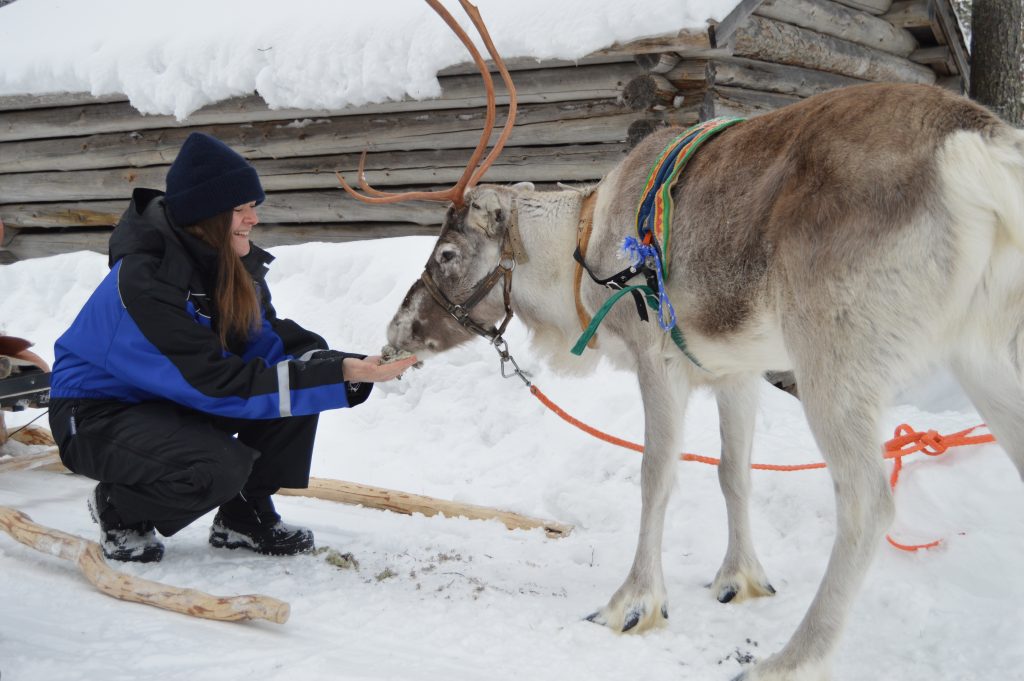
905 441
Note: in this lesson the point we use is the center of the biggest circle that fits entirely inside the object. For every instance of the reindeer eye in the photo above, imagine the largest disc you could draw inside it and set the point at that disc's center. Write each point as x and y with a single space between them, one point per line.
446 256
474 205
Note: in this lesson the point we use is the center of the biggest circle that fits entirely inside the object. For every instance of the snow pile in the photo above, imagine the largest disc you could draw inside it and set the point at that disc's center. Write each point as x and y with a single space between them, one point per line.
175 57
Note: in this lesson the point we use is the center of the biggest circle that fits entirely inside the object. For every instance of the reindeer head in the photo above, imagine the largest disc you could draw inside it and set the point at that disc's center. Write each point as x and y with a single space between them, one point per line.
464 289
457 295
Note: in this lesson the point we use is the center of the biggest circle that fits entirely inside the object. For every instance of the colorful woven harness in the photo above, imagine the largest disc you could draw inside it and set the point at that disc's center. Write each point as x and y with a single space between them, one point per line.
646 251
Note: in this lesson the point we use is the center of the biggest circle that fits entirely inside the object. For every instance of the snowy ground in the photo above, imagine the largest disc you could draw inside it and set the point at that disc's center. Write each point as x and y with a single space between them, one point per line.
438 599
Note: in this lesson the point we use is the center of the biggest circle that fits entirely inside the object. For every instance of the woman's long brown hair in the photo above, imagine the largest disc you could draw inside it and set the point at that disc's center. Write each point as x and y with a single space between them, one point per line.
238 311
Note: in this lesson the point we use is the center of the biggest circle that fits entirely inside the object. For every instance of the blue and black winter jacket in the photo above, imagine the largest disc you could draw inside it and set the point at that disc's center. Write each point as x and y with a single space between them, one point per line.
147 333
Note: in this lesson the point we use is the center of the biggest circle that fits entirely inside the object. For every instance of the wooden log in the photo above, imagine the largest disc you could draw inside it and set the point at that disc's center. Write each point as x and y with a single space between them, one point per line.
768 77
658 62
688 41
50 100
403 502
88 556
46 242
938 54
43 243
554 163
33 435
723 32
734 101
772 41
689 73
869 6
951 36
839 21
457 92
649 92
909 14
22 463
536 124
319 206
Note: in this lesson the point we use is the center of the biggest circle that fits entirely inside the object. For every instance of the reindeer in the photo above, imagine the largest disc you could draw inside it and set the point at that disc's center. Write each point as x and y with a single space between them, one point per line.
852 238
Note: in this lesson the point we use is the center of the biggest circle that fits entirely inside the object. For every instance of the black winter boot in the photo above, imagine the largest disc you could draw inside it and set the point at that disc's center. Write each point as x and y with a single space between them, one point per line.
128 543
254 524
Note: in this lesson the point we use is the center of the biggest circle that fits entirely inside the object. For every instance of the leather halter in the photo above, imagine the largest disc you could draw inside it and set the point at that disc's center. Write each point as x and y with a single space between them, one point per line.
460 311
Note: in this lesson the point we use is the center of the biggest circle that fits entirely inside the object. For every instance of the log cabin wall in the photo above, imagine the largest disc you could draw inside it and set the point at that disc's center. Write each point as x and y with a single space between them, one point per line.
68 163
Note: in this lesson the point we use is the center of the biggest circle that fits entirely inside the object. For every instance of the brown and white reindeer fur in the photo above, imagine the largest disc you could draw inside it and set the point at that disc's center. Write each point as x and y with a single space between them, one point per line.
851 238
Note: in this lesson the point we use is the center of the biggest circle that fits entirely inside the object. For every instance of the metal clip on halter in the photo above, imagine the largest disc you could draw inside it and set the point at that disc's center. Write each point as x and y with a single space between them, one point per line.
502 347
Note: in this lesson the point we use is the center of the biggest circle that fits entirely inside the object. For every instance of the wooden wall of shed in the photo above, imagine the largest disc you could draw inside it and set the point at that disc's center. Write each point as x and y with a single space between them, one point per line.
68 163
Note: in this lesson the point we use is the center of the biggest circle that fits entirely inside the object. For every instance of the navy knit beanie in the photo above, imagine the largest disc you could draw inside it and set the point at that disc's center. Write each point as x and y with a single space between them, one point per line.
208 178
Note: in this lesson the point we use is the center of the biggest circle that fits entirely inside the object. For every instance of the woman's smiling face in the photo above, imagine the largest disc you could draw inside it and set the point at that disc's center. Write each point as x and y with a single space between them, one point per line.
243 219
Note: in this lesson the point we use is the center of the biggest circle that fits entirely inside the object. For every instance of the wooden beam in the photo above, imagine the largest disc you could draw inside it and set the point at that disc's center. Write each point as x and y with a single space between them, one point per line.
688 41
314 206
940 54
50 100
554 163
22 463
406 503
773 41
591 121
658 62
42 243
722 33
733 101
943 13
869 6
831 18
778 78
908 14
457 92
88 556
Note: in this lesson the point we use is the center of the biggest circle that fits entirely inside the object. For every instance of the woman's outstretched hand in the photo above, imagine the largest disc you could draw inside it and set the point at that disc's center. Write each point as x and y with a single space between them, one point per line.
370 370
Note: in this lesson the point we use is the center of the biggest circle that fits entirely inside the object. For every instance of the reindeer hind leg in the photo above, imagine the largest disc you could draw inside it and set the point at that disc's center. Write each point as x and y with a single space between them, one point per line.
842 376
741 575
995 386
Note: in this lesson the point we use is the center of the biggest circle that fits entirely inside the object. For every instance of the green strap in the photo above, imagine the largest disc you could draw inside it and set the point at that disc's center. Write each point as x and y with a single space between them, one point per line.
652 302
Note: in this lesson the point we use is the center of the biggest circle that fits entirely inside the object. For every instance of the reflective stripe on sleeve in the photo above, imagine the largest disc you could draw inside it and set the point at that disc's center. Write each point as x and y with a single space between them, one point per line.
284 393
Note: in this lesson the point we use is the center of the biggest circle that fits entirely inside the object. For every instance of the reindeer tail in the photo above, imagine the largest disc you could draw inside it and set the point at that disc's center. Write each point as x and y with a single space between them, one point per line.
984 176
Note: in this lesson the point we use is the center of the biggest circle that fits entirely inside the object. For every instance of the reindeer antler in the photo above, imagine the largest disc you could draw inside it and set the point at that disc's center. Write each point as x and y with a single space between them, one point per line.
472 174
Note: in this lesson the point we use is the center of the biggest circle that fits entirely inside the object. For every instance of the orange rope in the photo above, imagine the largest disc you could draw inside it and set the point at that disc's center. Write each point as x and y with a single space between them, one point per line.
906 441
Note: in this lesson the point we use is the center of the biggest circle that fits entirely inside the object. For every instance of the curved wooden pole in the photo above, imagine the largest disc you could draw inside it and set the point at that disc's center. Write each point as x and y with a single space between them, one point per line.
88 556
403 502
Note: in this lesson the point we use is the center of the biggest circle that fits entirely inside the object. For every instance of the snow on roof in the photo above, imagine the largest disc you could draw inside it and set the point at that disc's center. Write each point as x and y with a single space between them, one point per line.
173 57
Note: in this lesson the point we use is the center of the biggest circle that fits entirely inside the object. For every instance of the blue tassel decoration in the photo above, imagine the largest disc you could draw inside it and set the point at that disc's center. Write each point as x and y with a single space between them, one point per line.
637 253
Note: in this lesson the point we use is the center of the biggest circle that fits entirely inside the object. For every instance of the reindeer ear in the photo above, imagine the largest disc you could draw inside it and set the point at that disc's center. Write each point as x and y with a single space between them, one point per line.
524 186
486 212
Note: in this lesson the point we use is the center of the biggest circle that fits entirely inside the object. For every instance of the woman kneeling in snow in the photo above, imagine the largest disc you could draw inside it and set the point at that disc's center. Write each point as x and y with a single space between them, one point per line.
178 351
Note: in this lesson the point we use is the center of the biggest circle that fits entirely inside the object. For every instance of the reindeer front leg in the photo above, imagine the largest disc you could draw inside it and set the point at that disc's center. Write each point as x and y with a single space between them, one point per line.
640 603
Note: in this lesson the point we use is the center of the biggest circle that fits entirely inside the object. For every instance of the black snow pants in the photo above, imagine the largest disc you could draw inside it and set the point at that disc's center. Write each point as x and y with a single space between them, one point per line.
169 465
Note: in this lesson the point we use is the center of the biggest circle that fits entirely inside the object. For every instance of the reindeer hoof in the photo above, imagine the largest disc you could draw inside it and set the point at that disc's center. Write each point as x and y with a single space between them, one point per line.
727 594
633 618
733 586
